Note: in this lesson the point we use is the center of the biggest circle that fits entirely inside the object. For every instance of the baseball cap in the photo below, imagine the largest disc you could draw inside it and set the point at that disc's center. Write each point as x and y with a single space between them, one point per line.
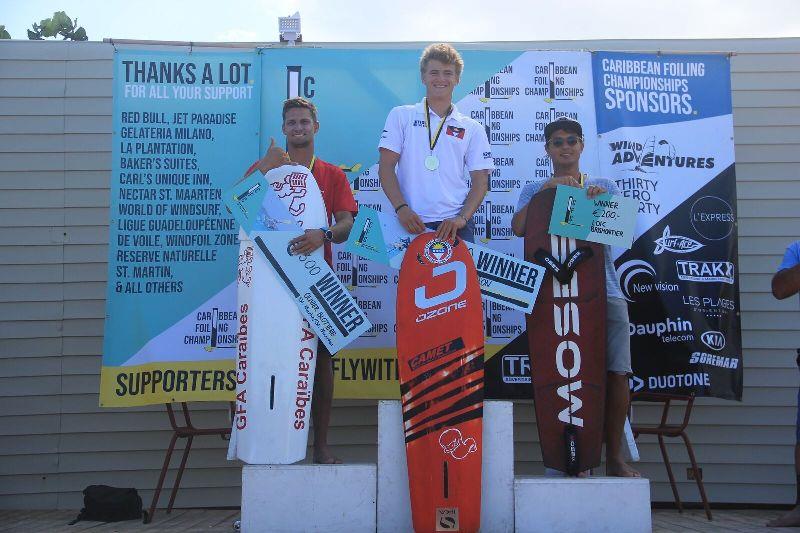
563 123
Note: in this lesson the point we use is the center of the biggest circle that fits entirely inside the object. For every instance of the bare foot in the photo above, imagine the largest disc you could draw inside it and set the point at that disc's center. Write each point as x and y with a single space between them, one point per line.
790 519
620 469
325 457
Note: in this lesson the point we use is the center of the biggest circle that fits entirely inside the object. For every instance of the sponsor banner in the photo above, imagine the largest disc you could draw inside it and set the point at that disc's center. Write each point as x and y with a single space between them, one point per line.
366 373
666 131
606 219
168 381
323 299
181 121
660 126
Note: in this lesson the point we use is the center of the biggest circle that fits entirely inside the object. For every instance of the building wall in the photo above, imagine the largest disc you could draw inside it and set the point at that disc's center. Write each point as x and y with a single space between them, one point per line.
55 163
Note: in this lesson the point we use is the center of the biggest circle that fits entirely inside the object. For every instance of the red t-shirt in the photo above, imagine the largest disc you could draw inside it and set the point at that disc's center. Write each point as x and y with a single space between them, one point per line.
336 194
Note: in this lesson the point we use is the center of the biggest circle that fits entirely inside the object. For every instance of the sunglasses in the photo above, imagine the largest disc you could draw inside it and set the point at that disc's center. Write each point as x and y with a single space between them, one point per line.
572 140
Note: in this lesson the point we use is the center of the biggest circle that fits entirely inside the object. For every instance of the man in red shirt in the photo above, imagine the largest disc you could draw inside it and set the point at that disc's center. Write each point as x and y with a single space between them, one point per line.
300 125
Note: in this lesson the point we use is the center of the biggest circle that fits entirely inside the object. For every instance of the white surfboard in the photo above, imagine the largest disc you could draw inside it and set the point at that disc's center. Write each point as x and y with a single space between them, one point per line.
277 349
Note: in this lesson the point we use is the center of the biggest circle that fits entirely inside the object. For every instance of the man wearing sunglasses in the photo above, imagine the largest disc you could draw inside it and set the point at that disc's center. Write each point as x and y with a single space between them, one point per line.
564 144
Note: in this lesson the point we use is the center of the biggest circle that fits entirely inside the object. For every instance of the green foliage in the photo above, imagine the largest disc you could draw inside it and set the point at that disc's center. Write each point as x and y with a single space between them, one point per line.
3 33
58 24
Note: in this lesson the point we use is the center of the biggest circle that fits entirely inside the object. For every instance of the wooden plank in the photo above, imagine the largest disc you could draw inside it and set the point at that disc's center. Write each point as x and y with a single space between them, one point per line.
32 180
30 386
88 161
86 216
764 116
81 290
37 292
759 81
769 339
90 50
82 327
26 255
24 162
47 347
22 125
765 63
33 50
762 227
770 171
84 253
33 405
30 329
20 199
83 346
87 179
86 198
767 134
92 88
28 106
30 425
31 310
87 106
30 70
83 309
47 88
89 68
765 153
765 99
85 124
762 245
87 142
89 272
30 218
31 273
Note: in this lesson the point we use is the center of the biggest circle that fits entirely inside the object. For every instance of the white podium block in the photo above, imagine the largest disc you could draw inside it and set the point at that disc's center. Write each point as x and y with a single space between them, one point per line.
293 498
594 504
497 486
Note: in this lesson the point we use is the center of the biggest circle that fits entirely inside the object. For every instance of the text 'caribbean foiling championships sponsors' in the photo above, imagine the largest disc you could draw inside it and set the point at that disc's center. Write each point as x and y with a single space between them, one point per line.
182 121
666 130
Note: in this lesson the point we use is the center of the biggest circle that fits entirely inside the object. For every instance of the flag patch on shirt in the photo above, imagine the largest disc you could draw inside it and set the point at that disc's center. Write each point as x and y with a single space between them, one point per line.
455 132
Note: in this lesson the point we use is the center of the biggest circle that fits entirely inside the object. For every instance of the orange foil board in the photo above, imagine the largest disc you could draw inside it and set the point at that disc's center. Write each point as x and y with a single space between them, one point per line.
567 340
440 358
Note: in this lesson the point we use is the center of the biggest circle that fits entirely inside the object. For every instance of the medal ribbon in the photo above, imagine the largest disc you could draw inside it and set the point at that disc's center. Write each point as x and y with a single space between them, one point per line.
432 141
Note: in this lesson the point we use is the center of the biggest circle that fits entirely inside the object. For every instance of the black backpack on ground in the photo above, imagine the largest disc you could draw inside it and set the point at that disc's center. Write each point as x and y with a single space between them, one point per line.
110 504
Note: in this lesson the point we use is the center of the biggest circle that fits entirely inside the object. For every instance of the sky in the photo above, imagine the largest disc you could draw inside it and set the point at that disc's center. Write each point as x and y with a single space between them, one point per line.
416 20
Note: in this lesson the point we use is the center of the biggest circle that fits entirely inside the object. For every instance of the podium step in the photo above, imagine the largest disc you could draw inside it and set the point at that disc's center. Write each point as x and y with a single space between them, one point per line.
292 498
596 504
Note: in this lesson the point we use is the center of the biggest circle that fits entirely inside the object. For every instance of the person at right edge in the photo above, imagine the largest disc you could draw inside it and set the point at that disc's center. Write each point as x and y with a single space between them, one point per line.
564 144
786 283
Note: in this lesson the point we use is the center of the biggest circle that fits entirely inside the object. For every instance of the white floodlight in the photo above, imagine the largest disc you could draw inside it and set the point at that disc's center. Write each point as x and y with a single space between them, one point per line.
289 28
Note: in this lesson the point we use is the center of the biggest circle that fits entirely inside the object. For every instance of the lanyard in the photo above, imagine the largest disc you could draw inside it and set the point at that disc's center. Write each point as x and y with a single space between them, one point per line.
313 160
432 141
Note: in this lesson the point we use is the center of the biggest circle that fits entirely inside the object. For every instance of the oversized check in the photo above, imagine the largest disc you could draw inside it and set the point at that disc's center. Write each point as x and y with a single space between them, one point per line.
322 298
605 218
326 303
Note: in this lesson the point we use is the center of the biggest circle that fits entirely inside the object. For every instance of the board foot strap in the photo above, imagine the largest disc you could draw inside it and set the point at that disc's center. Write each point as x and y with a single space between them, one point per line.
563 271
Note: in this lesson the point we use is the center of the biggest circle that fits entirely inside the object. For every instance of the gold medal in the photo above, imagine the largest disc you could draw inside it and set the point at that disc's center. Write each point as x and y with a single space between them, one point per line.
431 162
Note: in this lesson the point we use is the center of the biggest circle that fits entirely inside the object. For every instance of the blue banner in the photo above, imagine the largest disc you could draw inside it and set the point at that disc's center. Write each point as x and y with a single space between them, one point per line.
184 125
